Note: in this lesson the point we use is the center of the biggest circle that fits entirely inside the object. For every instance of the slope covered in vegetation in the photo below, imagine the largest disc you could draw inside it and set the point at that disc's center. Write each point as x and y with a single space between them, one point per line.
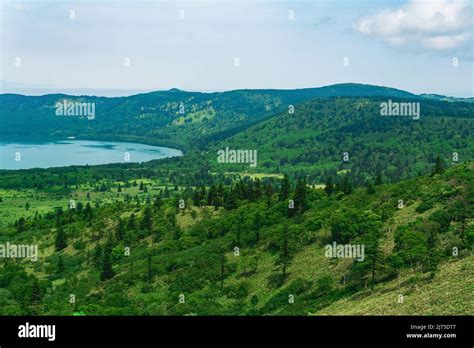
250 247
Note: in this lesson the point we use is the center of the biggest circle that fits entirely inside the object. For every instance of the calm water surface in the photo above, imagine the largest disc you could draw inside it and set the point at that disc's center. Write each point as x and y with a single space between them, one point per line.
47 154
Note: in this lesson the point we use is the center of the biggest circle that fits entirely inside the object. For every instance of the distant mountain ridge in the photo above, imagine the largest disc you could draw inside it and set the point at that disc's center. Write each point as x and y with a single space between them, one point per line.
169 118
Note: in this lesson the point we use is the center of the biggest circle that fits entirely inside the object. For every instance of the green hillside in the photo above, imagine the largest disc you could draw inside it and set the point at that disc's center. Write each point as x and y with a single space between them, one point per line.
183 258
314 139
171 118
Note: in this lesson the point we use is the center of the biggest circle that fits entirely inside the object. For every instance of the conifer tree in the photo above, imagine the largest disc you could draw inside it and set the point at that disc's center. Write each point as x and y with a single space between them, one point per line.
284 257
120 230
157 203
285 188
61 241
439 167
300 195
329 186
146 223
107 271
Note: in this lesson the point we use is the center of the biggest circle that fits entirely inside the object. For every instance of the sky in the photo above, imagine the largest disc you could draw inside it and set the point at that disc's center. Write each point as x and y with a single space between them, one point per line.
124 47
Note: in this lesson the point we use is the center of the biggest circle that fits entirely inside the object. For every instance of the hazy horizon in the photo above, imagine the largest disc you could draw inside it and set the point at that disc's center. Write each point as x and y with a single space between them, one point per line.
111 93
121 47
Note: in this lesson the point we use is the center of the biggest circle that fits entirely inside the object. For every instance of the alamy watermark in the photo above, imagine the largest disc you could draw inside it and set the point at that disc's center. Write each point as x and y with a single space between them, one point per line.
8 250
237 156
351 251
68 108
391 108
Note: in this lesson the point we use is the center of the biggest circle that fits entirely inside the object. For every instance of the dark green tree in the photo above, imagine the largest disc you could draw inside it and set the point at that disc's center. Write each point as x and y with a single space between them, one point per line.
107 271
329 186
285 188
61 240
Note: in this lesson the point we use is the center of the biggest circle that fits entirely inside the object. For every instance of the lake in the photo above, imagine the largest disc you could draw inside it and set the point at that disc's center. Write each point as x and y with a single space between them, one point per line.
47 154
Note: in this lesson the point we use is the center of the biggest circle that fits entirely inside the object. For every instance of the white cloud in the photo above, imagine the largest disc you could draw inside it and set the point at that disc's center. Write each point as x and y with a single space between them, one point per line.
434 24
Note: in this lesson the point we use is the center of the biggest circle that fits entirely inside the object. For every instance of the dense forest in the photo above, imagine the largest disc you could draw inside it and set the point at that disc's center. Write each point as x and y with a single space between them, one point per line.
174 118
192 236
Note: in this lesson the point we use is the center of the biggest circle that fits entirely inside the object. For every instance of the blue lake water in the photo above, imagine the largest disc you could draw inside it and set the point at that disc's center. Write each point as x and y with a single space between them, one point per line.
47 154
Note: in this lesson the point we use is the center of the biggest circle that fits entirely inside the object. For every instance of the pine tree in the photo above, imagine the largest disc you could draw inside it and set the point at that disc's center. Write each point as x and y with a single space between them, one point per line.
35 294
157 203
61 241
146 223
120 230
329 187
256 227
132 223
285 188
223 263
20 225
258 189
300 195
439 167
346 185
284 257
239 227
107 271
88 212
150 273
370 188
269 193
378 180
60 265
97 256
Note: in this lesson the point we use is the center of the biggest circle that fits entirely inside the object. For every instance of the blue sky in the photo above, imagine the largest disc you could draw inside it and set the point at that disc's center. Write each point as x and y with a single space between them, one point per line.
409 45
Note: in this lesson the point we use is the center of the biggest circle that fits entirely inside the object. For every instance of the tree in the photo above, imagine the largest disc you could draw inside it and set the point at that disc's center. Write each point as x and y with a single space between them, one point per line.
157 203
88 212
222 264
269 193
35 296
120 230
346 186
60 265
146 223
367 269
439 167
97 256
61 241
433 256
378 180
132 223
329 186
370 188
410 245
20 225
285 188
107 271
284 256
239 227
150 273
300 195
256 226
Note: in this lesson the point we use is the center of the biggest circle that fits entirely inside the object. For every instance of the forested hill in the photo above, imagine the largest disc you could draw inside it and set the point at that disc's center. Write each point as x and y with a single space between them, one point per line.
242 249
171 118
323 137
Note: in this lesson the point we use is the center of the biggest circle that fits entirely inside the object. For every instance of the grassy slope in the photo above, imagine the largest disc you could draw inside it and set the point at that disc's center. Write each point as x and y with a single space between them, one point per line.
450 292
